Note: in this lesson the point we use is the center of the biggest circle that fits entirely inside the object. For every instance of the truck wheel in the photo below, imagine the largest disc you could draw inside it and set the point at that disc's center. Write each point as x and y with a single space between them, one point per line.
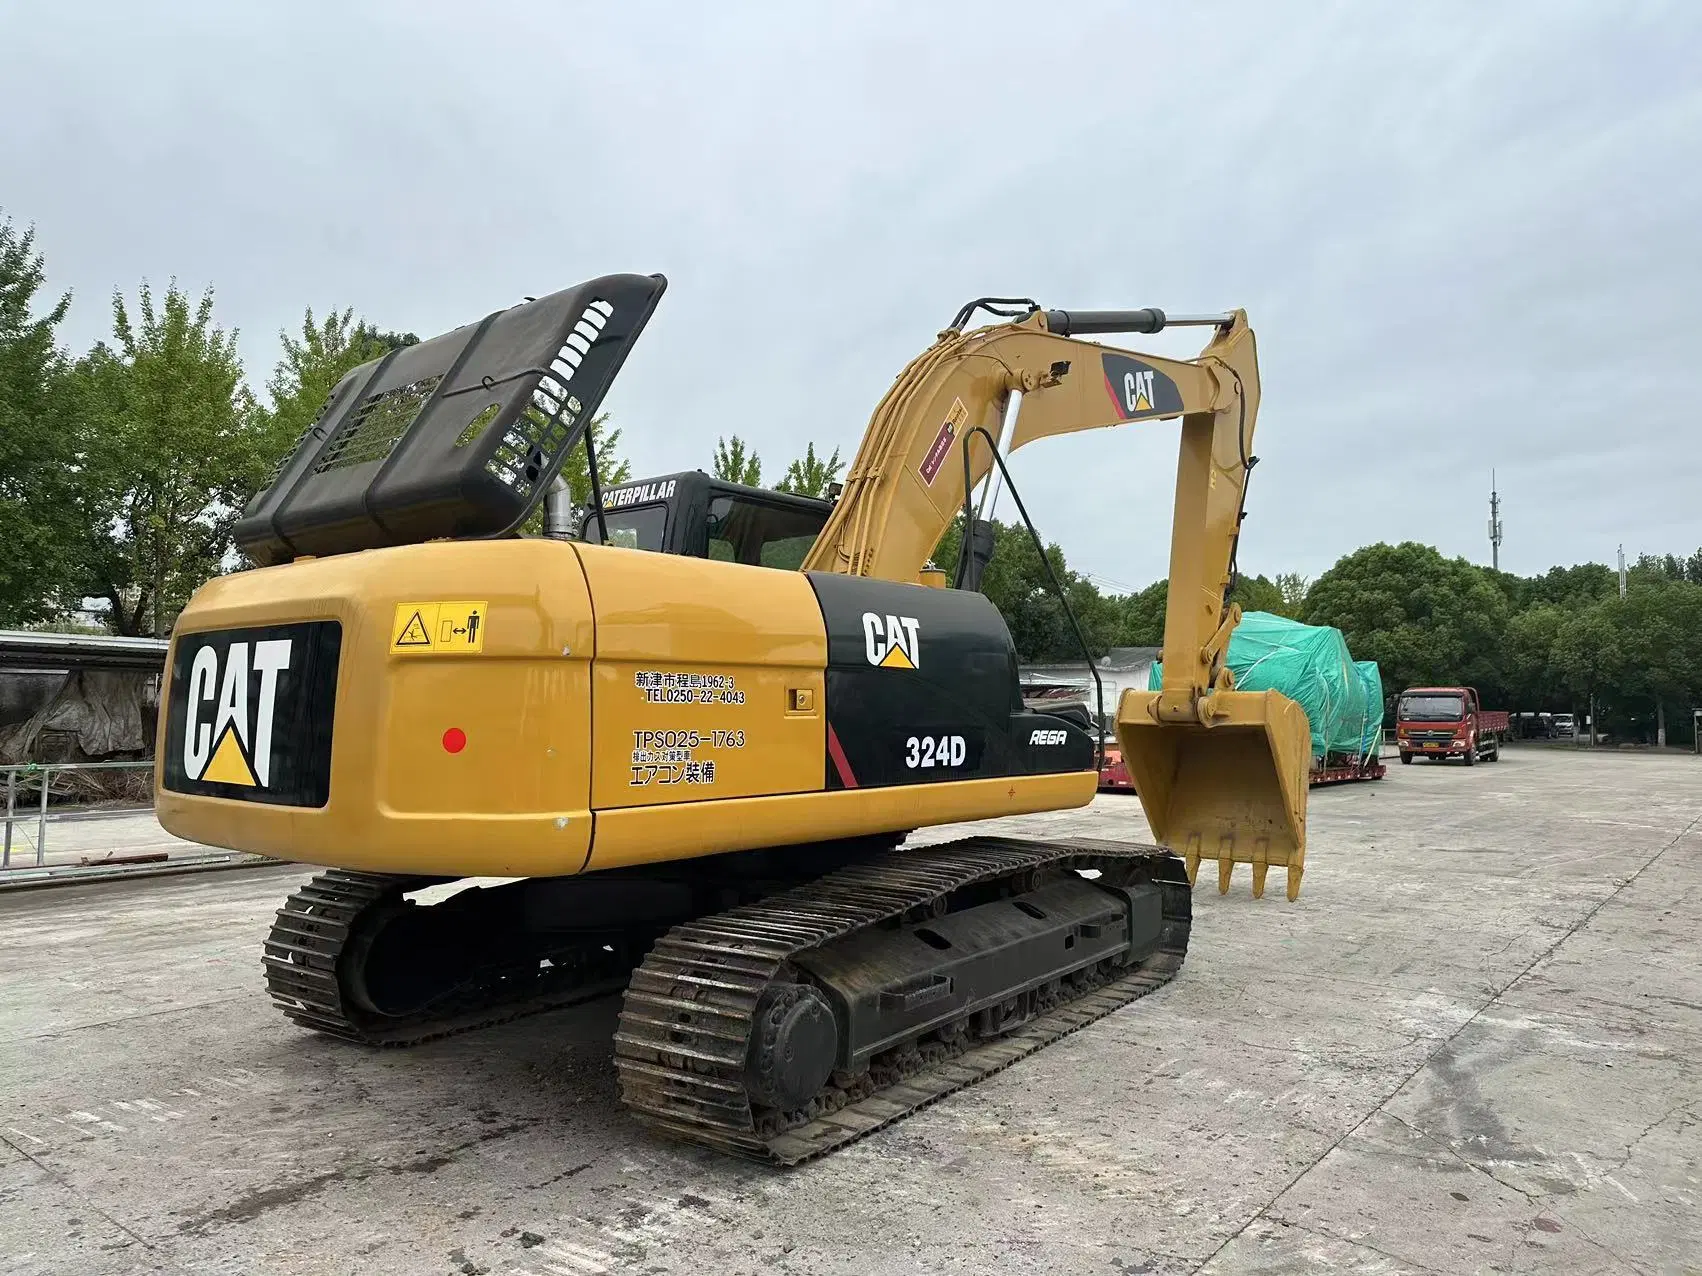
1471 753
1406 759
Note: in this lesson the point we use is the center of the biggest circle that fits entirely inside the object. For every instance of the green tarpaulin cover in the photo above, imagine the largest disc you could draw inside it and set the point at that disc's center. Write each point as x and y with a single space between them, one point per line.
1310 664
1371 739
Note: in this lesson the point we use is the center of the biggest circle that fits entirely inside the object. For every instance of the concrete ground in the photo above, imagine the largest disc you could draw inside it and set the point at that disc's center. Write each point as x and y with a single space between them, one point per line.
1470 1046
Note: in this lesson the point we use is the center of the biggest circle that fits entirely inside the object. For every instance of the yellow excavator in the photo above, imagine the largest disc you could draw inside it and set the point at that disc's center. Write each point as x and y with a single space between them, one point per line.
697 775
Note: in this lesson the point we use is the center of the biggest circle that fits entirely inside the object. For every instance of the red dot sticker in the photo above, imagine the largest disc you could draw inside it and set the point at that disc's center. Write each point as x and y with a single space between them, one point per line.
454 740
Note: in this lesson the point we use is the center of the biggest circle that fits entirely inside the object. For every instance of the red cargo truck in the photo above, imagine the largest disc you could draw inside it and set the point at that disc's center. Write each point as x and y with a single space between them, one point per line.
1447 722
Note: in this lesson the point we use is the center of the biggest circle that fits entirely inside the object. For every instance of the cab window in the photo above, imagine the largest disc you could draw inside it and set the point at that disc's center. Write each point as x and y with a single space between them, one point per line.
742 531
636 527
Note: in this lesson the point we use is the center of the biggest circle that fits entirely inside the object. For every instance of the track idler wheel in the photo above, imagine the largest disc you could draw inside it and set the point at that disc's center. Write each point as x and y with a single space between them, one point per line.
794 1043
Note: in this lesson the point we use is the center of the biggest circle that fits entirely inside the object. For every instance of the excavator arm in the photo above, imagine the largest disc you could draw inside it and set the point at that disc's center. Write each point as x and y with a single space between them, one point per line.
1221 773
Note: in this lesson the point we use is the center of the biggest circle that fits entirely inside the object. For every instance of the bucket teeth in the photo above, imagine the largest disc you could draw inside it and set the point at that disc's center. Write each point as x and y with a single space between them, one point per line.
1231 786
1258 857
1226 863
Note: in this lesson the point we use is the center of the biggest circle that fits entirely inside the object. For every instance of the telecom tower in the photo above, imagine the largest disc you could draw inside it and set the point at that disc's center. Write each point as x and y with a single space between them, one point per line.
1494 524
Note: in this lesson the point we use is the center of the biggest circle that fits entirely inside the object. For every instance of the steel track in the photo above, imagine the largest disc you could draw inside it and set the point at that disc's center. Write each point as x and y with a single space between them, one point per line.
307 971
685 1027
687 1015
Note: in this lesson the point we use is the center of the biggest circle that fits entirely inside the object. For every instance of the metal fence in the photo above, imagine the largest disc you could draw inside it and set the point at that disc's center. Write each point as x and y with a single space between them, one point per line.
25 808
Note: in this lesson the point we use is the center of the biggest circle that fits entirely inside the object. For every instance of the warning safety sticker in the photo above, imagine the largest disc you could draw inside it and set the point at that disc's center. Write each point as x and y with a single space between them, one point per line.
940 448
427 629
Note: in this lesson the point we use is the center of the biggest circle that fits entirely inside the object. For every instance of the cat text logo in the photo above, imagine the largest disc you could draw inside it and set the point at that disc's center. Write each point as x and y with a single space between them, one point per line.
621 497
892 642
227 732
1137 390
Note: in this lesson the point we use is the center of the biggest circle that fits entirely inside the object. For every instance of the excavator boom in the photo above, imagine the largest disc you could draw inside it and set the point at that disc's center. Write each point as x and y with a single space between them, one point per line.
1017 380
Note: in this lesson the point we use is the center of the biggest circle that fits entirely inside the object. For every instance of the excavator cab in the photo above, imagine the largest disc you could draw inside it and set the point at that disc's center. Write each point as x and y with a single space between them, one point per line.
700 516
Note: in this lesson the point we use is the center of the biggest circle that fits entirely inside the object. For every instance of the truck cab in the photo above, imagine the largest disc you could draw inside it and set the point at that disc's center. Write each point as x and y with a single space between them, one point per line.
700 516
1447 722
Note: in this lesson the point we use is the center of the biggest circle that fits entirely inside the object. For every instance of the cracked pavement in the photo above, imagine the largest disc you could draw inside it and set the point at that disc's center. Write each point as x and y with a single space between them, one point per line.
1470 1046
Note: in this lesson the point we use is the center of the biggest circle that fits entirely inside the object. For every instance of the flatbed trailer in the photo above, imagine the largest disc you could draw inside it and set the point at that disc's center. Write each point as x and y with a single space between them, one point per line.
1346 772
1114 775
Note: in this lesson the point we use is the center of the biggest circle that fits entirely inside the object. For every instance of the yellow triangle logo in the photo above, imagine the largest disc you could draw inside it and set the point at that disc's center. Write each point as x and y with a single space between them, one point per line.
896 659
1142 404
228 765
413 633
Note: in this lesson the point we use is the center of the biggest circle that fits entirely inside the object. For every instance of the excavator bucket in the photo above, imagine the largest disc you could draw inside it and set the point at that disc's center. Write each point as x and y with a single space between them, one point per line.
1234 791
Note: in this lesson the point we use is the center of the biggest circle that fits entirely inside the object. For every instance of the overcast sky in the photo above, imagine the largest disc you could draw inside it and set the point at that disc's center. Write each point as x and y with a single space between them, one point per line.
1468 236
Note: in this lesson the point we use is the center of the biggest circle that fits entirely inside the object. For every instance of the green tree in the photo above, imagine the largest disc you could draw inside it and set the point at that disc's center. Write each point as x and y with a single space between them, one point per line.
1528 659
1293 587
612 468
1256 593
1017 584
310 368
1422 617
1140 616
1660 639
1100 617
1143 616
809 475
736 463
1569 586
39 440
1588 655
175 446
385 341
